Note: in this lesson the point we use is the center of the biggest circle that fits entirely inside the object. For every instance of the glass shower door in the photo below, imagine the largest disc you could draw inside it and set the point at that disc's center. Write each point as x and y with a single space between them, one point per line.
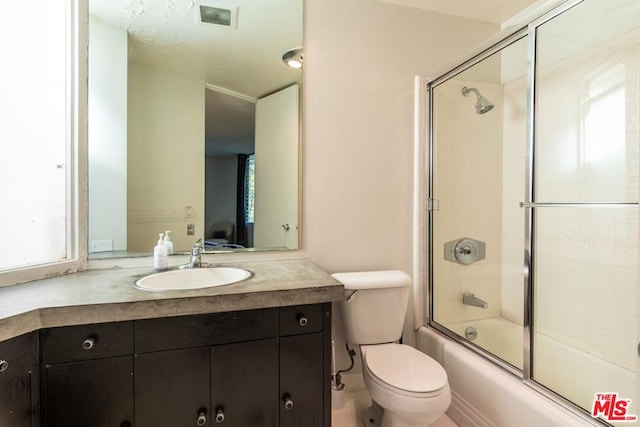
478 180
584 208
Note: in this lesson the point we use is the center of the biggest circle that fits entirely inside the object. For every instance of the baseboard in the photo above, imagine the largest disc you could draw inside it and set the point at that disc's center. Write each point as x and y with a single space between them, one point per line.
465 414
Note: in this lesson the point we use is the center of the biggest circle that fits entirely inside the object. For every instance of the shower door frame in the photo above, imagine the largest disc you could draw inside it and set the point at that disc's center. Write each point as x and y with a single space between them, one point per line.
529 204
432 204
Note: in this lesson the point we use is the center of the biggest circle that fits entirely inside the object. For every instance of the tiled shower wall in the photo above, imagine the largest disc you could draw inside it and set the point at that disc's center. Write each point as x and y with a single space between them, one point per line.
588 139
468 185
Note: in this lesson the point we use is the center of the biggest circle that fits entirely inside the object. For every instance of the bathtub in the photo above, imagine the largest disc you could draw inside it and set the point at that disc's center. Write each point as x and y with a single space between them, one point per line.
485 395
496 335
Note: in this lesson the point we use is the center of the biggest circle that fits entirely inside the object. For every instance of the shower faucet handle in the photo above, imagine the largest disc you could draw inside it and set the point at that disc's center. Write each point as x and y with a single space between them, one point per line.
464 251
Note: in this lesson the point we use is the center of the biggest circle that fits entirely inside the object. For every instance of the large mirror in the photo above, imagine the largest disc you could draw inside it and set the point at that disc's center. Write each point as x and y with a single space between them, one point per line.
193 124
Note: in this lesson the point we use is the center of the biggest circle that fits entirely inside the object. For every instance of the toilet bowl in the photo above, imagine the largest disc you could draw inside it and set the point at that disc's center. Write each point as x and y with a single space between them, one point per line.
408 388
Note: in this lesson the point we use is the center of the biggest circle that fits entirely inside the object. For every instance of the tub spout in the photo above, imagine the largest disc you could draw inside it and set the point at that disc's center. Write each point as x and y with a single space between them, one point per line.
470 299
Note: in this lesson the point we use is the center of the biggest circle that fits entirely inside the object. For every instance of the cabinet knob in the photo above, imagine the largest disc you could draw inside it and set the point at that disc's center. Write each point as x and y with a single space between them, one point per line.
89 343
4 365
287 401
219 415
302 320
202 417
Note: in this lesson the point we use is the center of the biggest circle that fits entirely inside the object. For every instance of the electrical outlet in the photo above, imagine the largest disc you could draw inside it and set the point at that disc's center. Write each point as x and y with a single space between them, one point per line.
191 229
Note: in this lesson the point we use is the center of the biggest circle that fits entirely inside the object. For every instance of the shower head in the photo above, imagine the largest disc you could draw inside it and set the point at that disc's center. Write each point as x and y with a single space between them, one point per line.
483 105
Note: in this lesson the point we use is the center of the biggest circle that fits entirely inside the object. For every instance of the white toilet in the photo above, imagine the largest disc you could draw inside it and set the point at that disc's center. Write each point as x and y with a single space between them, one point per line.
408 388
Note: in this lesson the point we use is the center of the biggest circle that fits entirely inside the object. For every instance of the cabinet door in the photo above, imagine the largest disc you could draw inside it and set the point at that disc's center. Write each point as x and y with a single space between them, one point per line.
302 381
244 383
96 393
15 401
172 388
17 358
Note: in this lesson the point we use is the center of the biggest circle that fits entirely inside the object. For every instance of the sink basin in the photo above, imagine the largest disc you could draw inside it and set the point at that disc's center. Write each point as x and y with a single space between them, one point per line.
193 278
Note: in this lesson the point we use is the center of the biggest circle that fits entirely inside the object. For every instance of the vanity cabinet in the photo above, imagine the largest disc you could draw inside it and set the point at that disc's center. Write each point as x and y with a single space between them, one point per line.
262 368
227 375
18 382
172 388
303 372
88 375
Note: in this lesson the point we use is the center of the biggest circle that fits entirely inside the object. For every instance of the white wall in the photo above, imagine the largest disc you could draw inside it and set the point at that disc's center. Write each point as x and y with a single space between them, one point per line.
107 131
361 57
166 166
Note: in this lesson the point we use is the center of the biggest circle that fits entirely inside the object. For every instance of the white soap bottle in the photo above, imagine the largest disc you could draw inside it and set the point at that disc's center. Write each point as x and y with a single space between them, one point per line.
160 258
168 243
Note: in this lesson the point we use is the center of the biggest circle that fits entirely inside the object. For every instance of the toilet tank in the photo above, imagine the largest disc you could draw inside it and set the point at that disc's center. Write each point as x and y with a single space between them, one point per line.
375 305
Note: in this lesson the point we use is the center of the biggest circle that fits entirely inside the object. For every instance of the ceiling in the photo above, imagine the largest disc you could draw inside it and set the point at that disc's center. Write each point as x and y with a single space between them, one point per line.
495 11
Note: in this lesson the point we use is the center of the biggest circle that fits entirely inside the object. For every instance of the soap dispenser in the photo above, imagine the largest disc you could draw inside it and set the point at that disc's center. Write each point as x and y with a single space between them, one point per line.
160 258
168 243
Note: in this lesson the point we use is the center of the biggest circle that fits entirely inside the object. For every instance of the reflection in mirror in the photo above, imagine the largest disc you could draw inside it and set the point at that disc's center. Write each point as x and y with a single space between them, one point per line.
185 121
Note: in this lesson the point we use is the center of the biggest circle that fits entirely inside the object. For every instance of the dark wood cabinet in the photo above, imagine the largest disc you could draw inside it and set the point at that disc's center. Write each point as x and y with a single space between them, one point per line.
18 382
244 383
88 375
172 388
301 381
96 393
262 368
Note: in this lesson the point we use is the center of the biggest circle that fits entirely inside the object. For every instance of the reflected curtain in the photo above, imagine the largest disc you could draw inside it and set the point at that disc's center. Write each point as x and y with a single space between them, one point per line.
241 229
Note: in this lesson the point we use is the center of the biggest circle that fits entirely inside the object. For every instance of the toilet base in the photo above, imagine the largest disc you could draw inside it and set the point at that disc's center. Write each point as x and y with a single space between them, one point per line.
373 416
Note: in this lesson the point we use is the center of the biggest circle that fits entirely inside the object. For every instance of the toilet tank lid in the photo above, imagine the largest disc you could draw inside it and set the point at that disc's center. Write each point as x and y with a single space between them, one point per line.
373 279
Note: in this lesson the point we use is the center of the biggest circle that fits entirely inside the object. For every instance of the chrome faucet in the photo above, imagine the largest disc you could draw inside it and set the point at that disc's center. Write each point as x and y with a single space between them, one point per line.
195 261
470 299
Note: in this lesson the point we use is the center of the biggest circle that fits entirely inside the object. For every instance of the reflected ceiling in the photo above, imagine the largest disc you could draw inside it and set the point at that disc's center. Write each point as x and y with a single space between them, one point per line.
169 34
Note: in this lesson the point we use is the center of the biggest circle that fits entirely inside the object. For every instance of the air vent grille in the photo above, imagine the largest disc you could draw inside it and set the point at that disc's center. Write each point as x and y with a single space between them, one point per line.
216 16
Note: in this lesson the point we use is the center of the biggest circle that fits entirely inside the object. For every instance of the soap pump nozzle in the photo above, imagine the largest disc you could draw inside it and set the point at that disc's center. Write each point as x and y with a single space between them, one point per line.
168 243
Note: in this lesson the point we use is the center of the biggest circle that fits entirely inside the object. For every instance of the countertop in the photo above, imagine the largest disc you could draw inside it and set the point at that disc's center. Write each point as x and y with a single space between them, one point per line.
108 295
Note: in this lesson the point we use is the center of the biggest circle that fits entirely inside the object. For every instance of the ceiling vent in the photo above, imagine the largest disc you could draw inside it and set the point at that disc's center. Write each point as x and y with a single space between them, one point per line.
218 16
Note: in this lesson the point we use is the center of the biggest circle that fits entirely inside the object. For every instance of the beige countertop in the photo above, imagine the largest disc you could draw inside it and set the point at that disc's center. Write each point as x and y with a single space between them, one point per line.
108 295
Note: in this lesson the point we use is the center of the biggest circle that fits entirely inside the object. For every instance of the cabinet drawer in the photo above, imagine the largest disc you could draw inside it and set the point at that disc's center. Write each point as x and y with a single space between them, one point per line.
85 342
17 356
172 333
301 319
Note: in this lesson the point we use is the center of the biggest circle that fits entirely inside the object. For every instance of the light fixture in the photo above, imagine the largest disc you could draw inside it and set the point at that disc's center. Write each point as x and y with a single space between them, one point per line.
293 58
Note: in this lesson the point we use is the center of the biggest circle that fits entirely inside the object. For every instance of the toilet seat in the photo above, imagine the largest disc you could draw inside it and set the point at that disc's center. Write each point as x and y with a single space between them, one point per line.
404 370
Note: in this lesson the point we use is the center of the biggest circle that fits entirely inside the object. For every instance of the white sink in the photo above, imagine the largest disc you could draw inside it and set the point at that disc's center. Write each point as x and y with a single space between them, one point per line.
192 278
